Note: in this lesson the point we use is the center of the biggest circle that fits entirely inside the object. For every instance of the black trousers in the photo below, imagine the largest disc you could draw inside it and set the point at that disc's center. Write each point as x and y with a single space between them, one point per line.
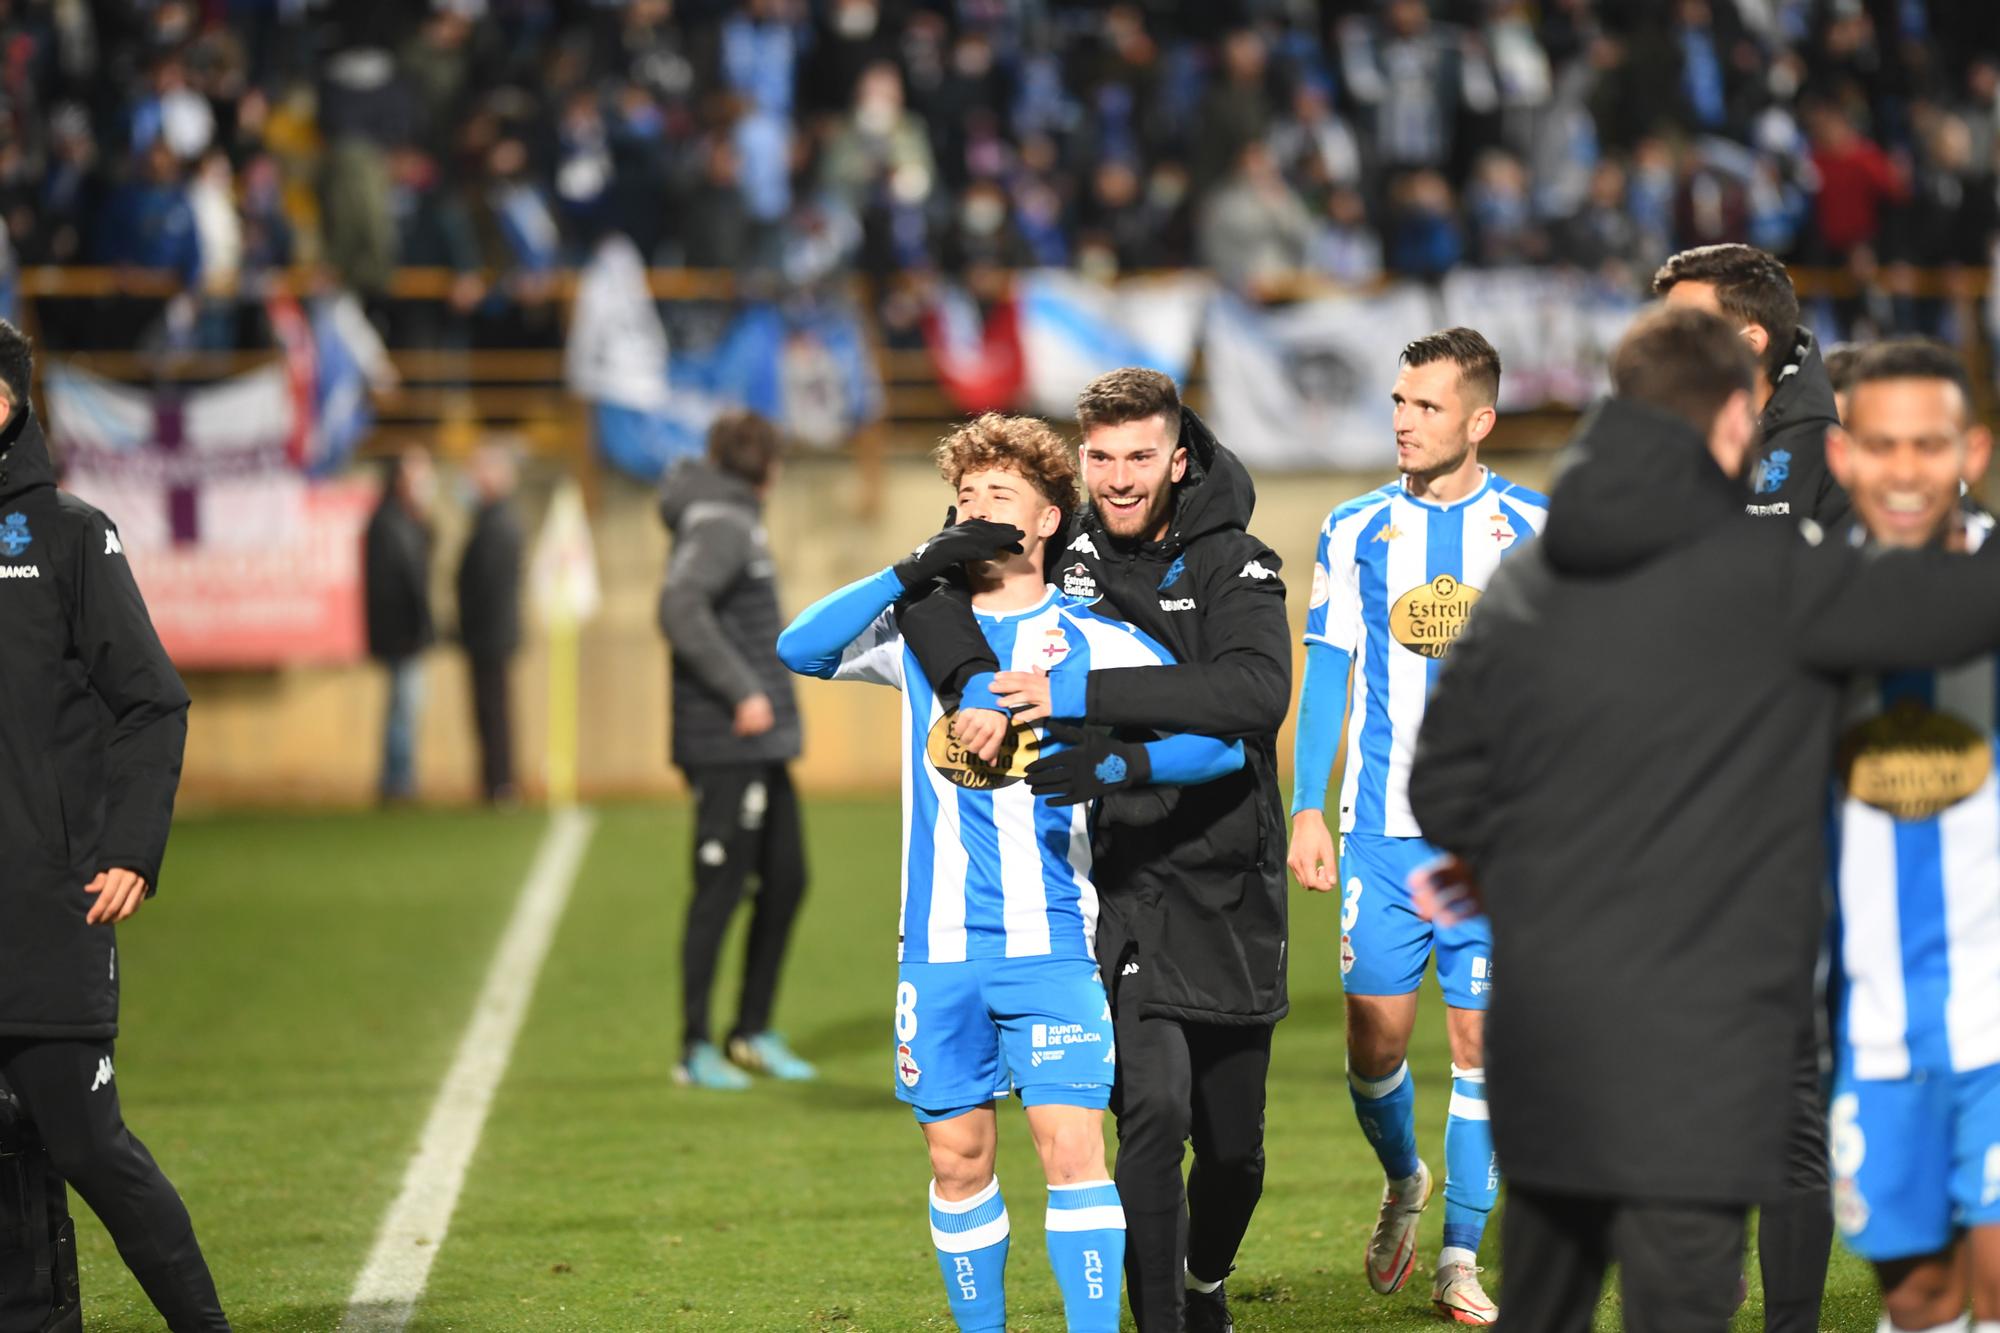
1180 1082
493 718
746 822
70 1092
1679 1263
1795 1234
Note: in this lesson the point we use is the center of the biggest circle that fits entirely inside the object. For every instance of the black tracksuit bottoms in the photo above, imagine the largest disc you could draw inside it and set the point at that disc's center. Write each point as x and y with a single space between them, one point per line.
1679 1263
1795 1234
69 1090
492 717
1180 1082
746 822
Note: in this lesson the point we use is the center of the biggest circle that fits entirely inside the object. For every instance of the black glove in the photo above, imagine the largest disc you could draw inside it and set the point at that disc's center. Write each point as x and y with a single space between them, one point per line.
974 539
1090 764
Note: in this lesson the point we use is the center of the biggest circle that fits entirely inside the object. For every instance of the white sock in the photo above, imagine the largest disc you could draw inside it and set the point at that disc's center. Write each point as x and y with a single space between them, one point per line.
1986 1326
1457 1254
1962 1324
1196 1284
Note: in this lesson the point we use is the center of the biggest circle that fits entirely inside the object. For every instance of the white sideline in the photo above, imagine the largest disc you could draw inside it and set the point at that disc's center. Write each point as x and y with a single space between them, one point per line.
385 1294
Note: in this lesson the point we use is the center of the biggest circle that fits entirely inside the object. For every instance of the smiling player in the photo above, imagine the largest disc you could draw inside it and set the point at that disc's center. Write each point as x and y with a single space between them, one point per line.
997 977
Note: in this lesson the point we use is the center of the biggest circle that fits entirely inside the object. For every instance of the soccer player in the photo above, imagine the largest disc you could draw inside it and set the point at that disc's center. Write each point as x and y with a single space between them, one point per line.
1915 1123
997 978
1398 571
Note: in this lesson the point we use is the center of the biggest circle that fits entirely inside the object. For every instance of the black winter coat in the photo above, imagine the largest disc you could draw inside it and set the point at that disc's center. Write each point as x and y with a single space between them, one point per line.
719 611
92 722
489 584
1632 745
1788 475
396 581
1191 880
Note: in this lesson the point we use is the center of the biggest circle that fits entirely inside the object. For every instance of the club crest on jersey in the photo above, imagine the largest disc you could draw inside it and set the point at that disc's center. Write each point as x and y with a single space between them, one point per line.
1174 572
1913 762
1055 647
906 1066
1503 532
14 535
1429 617
1320 591
1079 582
1346 954
1020 747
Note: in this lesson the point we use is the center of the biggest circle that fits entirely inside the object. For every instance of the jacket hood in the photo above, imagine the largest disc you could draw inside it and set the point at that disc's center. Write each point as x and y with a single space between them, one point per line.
1803 395
697 481
1216 493
24 458
1637 482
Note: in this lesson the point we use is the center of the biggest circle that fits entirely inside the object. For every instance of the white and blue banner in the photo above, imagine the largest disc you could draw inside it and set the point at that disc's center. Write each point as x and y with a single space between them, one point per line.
804 365
1074 329
1307 386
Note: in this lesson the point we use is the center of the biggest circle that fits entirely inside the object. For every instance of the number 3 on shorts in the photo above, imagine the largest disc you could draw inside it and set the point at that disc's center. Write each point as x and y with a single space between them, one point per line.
906 1011
1350 904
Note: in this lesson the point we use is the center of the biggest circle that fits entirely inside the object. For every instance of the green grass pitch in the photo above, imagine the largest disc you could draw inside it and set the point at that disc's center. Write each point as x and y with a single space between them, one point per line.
293 998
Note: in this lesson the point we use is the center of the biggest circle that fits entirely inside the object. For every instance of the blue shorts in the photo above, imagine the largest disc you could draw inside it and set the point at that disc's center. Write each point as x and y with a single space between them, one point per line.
1385 945
968 1032
1915 1160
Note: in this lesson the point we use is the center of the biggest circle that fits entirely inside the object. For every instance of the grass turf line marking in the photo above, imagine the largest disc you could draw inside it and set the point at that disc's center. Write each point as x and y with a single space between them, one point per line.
385 1294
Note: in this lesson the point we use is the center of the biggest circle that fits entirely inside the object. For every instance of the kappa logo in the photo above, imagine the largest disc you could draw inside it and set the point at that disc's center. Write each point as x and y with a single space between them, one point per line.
103 1078
1389 533
1256 570
1129 970
112 546
1085 545
14 534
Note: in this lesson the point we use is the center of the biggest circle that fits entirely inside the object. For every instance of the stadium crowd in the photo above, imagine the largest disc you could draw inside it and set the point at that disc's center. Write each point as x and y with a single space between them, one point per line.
1267 139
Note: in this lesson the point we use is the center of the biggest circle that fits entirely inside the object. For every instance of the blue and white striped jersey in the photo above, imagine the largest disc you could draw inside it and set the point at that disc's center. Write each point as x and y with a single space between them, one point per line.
1395 579
1916 869
990 870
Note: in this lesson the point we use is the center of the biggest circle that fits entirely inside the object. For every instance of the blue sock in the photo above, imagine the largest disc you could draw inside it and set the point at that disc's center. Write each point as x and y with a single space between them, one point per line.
1086 1233
1387 1110
971 1239
1471 1172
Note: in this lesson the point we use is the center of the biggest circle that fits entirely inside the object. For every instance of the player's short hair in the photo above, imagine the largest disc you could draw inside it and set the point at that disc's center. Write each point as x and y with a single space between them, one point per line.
1683 361
1910 359
1840 359
1130 393
17 363
744 445
1028 446
1750 284
1478 363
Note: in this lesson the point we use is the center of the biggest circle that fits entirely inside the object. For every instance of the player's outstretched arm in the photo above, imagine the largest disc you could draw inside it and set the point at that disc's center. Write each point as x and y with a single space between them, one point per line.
1895 610
814 643
1315 739
1082 763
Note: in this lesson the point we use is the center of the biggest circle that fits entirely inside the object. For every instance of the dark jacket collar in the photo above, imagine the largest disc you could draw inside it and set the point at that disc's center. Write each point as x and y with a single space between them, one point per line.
1636 483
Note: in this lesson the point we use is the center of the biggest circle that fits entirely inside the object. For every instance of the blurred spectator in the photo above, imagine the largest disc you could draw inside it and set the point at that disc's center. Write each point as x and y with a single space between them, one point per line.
880 145
1856 181
437 63
1602 236
1236 112
489 615
715 225
1424 237
1254 230
396 579
1345 246
1502 216
1314 146
174 113
1411 76
149 223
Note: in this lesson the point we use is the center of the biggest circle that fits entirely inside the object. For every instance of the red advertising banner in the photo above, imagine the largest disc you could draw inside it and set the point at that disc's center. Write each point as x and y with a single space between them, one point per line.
284 602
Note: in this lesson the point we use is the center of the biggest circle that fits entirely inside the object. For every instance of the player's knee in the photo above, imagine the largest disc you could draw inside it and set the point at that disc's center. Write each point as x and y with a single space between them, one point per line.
1151 1119
960 1171
1239 1156
1072 1151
